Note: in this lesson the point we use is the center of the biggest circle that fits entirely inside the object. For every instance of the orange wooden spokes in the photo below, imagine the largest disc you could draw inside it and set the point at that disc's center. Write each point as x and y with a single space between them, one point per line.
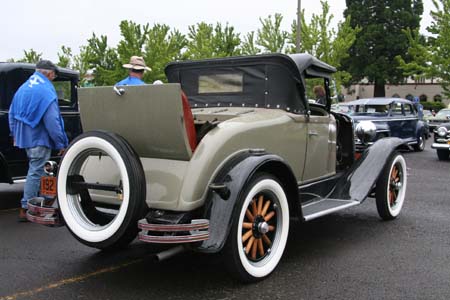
271 228
266 240
249 245
249 215
247 225
247 235
266 207
269 216
260 247
254 248
254 209
260 204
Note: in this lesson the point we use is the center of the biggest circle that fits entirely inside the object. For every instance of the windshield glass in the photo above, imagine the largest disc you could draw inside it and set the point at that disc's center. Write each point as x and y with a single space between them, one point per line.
371 109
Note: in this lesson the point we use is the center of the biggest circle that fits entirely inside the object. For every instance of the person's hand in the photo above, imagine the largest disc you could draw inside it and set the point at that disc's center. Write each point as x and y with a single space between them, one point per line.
61 151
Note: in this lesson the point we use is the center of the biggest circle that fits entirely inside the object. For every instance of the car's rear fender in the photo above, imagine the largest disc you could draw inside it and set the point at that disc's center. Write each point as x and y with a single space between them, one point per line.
228 185
360 179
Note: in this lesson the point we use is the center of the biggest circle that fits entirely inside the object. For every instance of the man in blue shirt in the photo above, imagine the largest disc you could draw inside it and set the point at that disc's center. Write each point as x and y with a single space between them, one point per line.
136 68
36 125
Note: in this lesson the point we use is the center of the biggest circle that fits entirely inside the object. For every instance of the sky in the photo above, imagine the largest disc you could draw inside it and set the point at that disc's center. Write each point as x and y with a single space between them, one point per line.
46 25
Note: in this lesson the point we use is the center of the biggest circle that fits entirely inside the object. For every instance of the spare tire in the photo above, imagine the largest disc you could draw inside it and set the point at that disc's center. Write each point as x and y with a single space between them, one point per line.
103 213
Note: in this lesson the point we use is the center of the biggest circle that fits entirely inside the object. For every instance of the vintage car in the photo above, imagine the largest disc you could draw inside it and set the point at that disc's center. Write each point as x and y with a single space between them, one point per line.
392 117
443 116
13 161
442 141
219 160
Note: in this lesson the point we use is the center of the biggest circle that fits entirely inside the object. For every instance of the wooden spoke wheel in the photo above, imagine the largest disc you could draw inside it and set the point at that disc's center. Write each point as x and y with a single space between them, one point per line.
259 228
259 232
391 187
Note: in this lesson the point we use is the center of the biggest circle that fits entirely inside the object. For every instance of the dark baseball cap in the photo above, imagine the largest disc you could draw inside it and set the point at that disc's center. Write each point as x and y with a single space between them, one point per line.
47 65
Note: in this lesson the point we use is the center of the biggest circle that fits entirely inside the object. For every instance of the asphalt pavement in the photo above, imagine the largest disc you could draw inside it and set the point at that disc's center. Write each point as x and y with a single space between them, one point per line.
347 255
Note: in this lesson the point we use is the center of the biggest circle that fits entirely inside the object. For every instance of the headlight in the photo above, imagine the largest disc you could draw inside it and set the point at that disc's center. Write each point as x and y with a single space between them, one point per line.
50 167
442 131
366 131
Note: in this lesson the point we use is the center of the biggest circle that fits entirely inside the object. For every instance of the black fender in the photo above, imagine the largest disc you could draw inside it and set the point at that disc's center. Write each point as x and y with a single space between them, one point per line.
420 129
4 170
359 180
233 176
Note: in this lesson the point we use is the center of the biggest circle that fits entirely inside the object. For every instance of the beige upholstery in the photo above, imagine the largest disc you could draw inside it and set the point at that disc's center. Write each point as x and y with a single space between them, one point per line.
149 117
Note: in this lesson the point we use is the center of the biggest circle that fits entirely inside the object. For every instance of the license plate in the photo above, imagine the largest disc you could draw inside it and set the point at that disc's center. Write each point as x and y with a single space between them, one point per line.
48 186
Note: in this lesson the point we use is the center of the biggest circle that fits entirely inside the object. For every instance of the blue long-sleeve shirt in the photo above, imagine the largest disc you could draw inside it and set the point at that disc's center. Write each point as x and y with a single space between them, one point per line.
130 81
34 116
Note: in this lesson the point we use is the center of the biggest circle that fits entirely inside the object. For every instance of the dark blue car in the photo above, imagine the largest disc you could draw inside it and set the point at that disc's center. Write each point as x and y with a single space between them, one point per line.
13 161
392 117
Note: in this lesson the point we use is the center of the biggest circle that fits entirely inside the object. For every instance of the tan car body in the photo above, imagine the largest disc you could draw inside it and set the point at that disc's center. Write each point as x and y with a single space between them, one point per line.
150 117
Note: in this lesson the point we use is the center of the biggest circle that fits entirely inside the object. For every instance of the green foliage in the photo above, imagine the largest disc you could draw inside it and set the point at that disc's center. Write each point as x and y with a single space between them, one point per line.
431 58
381 39
207 41
31 56
326 44
436 106
65 57
270 37
161 47
248 46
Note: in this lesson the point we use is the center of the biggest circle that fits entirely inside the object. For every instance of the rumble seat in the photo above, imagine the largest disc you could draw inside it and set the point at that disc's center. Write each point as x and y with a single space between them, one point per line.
149 117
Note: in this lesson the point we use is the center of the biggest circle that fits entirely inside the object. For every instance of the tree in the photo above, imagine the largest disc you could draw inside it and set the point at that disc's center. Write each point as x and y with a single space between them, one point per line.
65 57
207 41
162 46
324 43
270 37
381 39
431 57
31 56
248 45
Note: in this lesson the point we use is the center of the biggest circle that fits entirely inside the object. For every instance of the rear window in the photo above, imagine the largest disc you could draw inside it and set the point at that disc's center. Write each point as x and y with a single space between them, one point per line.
221 83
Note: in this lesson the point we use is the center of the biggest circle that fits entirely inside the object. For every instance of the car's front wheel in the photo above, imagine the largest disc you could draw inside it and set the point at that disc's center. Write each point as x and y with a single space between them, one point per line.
101 190
259 230
443 154
391 187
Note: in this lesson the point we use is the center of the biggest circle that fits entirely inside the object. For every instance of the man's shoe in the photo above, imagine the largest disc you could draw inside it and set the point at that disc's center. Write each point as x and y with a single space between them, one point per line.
23 215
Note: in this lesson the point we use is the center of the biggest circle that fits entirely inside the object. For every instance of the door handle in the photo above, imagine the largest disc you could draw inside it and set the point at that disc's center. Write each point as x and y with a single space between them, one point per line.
313 133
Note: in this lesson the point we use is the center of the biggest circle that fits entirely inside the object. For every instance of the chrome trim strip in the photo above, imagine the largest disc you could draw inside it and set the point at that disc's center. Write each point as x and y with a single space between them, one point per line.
440 146
329 211
167 239
19 180
199 225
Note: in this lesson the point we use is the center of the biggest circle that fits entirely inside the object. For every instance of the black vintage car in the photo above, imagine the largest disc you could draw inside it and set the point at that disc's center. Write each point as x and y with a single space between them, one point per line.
390 117
13 161
442 141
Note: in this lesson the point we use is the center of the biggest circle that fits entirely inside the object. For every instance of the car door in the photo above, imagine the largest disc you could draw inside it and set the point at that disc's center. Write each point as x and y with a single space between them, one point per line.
409 123
396 119
321 146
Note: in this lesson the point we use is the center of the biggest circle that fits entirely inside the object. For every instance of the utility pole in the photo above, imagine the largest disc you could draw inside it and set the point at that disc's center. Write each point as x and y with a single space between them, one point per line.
299 26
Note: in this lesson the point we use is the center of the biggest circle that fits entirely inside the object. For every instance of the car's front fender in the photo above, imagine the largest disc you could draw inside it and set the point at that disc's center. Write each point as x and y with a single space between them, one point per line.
360 179
233 177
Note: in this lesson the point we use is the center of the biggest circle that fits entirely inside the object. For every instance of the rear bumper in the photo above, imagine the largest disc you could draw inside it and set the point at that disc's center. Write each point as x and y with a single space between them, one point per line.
196 231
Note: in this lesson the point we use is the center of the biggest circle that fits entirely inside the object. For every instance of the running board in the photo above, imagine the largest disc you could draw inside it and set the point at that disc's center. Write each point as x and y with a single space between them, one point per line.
316 209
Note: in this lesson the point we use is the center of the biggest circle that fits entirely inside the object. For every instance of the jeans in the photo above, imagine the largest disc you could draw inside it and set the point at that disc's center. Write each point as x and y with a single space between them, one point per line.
37 157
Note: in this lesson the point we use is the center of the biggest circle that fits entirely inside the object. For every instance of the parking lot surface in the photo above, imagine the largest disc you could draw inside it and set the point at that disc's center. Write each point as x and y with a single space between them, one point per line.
348 255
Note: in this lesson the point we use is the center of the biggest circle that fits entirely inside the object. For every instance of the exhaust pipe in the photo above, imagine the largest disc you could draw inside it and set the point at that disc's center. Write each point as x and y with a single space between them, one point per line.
163 255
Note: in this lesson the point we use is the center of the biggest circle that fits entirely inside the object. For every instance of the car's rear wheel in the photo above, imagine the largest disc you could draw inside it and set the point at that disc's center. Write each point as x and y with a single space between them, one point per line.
101 190
391 187
259 230
421 141
443 154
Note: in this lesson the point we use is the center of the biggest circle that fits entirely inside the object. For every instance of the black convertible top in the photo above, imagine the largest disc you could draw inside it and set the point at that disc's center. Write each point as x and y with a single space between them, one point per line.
268 80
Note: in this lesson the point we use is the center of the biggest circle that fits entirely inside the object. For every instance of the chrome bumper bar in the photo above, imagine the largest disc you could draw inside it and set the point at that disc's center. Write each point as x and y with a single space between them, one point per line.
440 146
196 231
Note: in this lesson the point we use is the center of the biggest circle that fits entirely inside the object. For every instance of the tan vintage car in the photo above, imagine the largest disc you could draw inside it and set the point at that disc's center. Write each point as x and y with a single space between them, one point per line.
220 159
